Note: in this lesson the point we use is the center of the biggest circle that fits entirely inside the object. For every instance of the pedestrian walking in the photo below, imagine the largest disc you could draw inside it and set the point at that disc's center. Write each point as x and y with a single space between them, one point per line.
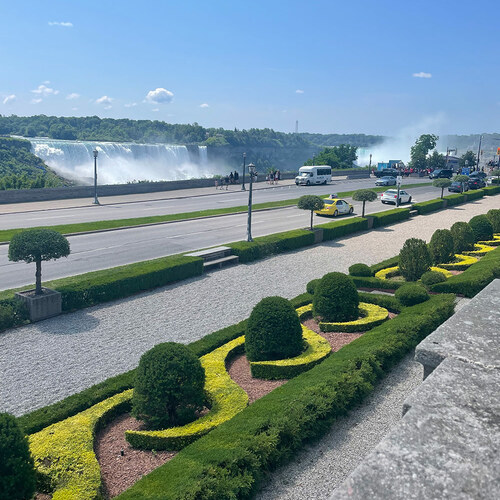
236 177
226 181
216 183
231 178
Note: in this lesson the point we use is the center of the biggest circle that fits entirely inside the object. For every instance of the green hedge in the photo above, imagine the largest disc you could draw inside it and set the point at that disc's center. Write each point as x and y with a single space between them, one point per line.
336 229
231 460
390 216
473 279
454 199
388 301
491 190
272 244
425 207
13 312
474 194
376 283
391 262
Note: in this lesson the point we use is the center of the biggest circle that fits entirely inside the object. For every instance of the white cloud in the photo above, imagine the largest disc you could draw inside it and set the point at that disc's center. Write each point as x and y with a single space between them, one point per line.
73 95
74 109
36 101
46 82
108 107
131 105
155 110
159 96
10 98
63 24
45 91
204 105
298 91
422 75
104 100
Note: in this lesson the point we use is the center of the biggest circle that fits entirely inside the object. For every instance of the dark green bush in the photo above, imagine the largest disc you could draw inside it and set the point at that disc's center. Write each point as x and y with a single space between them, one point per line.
441 246
454 199
169 386
494 218
360 270
390 216
411 294
414 259
425 207
432 277
474 194
338 228
481 227
273 331
13 312
273 244
336 298
311 286
17 471
463 237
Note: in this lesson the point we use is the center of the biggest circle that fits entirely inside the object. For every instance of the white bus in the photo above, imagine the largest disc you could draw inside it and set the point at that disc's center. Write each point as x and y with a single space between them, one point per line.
321 174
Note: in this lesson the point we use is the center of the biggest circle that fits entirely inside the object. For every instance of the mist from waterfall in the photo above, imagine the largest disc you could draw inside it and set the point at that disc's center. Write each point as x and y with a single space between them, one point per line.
119 163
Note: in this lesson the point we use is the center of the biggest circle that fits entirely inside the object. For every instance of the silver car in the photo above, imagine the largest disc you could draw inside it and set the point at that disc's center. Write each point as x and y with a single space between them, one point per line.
391 196
386 181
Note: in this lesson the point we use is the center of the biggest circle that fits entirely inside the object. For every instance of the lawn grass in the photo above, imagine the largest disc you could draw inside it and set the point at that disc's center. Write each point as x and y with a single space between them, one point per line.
68 229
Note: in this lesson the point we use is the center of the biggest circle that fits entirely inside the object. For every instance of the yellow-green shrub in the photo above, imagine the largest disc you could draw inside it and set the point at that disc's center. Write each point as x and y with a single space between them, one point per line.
394 271
225 396
462 263
371 316
480 250
64 452
317 349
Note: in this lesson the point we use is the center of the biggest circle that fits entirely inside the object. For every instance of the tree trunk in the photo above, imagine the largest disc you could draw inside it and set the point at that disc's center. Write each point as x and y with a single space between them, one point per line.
442 193
363 214
311 220
38 278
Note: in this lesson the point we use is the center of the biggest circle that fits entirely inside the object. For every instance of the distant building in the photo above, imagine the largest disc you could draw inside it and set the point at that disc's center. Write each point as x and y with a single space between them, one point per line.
452 162
391 164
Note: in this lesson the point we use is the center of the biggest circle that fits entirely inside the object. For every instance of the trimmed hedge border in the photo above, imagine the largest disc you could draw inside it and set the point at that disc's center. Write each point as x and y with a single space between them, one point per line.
454 199
317 350
231 460
474 194
426 207
473 279
372 316
226 398
491 190
463 262
390 216
480 250
336 229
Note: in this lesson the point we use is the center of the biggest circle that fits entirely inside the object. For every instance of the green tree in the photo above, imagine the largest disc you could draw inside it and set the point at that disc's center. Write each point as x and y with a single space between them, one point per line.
468 157
337 157
310 202
414 259
364 195
436 160
441 183
462 179
17 471
336 298
419 151
36 245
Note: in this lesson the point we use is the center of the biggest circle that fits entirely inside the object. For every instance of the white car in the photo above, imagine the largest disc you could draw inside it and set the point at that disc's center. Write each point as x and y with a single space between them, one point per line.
391 195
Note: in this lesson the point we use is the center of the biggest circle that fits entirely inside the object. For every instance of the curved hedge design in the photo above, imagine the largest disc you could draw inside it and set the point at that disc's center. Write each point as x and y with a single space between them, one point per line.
64 452
390 272
371 316
461 264
317 350
226 397
480 250
495 242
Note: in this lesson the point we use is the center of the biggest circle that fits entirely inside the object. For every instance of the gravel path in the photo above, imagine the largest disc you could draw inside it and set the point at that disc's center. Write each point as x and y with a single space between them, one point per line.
319 468
47 361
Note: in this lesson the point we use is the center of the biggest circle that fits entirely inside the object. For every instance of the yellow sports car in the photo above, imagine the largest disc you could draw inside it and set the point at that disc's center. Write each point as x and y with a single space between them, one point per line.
334 207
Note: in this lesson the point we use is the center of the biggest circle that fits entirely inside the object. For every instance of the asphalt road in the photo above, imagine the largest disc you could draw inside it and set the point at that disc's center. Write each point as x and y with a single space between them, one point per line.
90 252
44 213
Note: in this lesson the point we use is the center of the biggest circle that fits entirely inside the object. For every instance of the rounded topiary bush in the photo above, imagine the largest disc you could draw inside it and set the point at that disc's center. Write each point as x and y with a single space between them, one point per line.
481 227
360 270
336 298
414 259
494 218
432 277
17 472
442 247
312 285
169 386
463 237
273 331
411 294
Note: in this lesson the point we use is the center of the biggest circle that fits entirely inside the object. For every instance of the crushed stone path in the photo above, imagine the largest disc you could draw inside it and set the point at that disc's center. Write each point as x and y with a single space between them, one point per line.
44 362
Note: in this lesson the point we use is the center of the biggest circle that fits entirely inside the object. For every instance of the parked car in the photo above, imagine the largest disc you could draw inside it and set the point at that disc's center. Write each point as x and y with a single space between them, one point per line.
456 187
441 173
335 207
391 172
492 179
391 196
476 183
386 181
478 175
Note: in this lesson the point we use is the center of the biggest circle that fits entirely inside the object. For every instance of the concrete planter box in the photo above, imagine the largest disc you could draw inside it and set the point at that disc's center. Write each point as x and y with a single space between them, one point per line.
369 221
41 306
318 235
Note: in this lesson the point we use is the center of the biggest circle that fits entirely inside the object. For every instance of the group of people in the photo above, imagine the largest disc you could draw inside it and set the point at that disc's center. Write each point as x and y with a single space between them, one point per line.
273 177
231 178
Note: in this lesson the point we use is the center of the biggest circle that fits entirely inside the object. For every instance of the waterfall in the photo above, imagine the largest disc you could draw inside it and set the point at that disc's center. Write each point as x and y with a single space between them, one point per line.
119 163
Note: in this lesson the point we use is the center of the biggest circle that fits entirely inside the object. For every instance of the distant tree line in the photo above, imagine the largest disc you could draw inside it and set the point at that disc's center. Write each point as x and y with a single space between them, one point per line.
342 156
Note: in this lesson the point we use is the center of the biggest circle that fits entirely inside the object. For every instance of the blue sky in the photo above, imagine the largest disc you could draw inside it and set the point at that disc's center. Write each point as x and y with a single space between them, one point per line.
337 67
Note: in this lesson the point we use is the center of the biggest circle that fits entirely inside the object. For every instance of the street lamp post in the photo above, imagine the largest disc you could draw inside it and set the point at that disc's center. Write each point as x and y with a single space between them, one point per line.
243 183
96 201
251 170
479 150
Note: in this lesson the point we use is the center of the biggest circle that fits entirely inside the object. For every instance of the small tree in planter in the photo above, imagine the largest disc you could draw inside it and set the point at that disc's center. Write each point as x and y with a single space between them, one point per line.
414 259
35 245
310 202
336 298
17 471
364 195
441 183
